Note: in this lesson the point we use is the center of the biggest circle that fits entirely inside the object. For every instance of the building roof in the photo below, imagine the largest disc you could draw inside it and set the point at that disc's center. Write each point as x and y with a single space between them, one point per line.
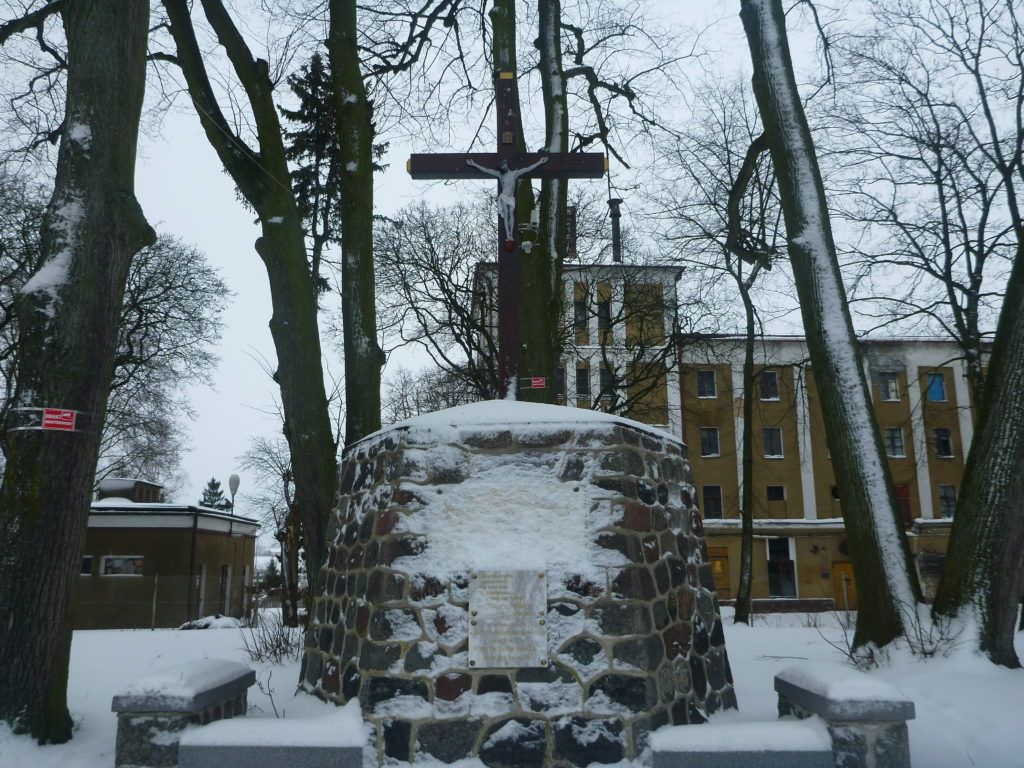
122 513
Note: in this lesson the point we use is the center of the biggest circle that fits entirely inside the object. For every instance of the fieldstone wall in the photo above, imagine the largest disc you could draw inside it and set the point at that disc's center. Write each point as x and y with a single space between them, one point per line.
640 648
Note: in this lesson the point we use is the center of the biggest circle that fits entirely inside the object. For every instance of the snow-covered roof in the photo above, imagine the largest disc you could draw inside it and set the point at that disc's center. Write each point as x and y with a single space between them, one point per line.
122 513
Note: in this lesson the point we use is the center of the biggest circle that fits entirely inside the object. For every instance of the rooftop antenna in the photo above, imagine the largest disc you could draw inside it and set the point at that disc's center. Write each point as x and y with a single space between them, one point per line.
616 214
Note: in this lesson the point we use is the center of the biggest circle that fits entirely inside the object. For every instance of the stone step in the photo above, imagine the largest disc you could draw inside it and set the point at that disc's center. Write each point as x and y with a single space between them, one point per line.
335 741
769 744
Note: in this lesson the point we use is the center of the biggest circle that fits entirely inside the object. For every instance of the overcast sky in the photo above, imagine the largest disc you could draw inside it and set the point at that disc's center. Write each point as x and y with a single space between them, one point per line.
184 192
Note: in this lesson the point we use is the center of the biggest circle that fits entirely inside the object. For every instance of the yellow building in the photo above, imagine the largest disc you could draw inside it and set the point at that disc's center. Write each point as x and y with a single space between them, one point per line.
617 348
924 413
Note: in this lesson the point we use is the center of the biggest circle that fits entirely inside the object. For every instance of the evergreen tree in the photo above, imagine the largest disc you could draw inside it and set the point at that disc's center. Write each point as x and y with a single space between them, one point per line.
314 151
213 496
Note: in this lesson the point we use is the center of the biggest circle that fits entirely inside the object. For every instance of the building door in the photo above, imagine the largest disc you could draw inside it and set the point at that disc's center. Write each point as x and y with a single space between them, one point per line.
844 588
719 558
781 569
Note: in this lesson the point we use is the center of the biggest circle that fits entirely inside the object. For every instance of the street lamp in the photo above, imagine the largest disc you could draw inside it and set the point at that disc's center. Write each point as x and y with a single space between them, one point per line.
233 487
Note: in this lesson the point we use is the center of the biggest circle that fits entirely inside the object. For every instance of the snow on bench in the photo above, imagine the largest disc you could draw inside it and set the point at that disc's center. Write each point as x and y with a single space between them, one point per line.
773 744
334 741
836 692
866 718
153 711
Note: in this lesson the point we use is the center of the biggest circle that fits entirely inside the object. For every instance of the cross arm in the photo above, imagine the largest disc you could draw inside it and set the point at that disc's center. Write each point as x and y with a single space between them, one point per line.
454 165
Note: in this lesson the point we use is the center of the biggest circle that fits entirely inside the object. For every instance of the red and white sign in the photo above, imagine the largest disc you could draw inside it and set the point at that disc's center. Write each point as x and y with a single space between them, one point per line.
538 382
59 419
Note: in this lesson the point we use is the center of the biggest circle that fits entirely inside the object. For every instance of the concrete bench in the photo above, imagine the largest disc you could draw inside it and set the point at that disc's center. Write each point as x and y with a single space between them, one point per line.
335 741
866 718
153 711
773 744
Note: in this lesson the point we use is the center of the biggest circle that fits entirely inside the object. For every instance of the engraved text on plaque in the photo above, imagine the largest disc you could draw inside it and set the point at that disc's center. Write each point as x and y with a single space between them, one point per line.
507 619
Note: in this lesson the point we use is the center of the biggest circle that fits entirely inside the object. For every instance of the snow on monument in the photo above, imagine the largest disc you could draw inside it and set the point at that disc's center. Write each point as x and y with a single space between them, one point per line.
524 583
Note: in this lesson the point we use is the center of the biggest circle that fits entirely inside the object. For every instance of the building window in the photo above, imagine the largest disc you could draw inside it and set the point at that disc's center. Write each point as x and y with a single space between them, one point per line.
579 314
894 447
86 565
122 565
712 501
604 315
768 381
707 388
943 443
560 382
772 442
781 569
709 442
582 382
607 382
889 386
936 388
835 493
947 500
776 493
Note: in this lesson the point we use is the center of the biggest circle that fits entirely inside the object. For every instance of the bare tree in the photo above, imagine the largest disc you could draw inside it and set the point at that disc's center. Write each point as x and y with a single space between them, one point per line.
409 394
270 463
886 579
720 214
262 177
921 184
433 292
67 323
353 116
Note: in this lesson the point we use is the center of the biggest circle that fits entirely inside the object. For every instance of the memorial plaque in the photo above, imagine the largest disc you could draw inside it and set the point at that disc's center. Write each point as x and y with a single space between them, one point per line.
508 619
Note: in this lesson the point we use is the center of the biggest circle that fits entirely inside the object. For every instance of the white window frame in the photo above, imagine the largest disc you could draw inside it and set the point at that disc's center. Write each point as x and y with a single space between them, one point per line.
903 444
883 378
782 446
935 443
714 385
105 558
718 443
760 391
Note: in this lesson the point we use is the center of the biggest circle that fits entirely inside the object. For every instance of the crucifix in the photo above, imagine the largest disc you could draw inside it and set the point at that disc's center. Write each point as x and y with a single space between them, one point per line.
507 166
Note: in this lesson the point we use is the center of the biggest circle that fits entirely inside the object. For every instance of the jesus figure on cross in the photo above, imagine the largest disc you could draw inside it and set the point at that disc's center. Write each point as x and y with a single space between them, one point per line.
508 165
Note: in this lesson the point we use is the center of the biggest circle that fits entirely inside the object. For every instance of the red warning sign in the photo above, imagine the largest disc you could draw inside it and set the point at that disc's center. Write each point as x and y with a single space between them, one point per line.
59 419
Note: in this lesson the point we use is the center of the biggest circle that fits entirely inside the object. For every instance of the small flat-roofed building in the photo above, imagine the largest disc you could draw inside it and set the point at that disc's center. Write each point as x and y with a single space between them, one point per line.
148 563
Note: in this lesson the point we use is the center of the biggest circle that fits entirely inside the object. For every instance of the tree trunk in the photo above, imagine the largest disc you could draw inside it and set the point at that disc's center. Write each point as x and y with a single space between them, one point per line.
886 580
288 537
68 326
363 356
984 562
542 269
263 180
744 591
535 335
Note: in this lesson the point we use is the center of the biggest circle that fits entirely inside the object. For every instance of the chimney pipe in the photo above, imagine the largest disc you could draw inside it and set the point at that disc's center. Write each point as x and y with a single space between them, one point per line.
616 214
572 255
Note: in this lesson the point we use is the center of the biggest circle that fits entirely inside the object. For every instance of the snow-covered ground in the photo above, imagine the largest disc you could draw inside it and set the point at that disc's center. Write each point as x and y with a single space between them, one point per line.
969 712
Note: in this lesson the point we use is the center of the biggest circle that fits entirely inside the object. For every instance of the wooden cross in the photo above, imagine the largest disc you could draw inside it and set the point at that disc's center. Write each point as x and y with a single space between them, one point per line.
508 165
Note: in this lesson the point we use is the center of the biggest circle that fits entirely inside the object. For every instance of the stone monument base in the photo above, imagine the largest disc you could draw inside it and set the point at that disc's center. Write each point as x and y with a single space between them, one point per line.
600 508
